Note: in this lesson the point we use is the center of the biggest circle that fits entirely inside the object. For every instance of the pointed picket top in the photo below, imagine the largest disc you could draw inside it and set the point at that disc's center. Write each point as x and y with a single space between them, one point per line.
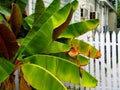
107 37
113 37
102 37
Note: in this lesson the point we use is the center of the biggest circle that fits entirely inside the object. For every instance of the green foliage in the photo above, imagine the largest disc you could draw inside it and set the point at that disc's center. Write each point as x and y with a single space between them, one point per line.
6 68
44 46
118 16
38 74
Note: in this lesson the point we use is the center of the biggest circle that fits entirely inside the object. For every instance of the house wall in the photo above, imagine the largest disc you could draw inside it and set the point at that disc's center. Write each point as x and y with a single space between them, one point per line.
112 21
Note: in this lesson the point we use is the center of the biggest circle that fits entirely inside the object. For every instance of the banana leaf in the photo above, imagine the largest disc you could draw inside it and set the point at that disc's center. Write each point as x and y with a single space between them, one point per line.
87 79
40 78
62 27
5 11
43 36
80 60
2 20
61 68
16 19
22 4
6 68
88 50
28 22
8 44
5 3
81 47
79 28
39 9
56 47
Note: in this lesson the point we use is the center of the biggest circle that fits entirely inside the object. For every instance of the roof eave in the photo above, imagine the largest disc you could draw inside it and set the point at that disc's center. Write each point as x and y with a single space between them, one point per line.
109 4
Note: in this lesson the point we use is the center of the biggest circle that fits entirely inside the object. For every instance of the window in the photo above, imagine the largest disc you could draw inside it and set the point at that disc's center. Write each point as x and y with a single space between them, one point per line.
84 13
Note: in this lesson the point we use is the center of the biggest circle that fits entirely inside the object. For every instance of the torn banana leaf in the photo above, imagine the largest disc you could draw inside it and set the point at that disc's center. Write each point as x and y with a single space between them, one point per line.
79 28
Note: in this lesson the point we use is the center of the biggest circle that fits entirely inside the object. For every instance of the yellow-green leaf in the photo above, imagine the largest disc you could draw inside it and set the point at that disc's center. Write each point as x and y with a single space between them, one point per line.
40 78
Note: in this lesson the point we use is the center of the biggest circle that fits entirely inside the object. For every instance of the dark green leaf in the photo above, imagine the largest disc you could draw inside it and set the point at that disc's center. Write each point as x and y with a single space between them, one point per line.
5 11
6 68
28 22
39 9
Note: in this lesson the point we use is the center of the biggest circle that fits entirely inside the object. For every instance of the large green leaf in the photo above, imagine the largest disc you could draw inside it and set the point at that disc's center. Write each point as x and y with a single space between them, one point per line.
87 79
28 22
5 11
79 28
62 27
80 60
2 20
43 36
39 9
61 68
6 68
56 47
43 17
39 22
41 79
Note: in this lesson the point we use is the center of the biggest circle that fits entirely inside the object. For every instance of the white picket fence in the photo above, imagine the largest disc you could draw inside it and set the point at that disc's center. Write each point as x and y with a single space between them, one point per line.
107 68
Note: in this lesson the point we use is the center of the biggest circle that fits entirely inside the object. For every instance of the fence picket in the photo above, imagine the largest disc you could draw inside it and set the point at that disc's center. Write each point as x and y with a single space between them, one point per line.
114 74
97 65
102 48
119 59
108 60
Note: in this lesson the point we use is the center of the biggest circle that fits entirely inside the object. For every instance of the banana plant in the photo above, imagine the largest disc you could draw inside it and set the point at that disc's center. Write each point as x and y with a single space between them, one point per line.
43 46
